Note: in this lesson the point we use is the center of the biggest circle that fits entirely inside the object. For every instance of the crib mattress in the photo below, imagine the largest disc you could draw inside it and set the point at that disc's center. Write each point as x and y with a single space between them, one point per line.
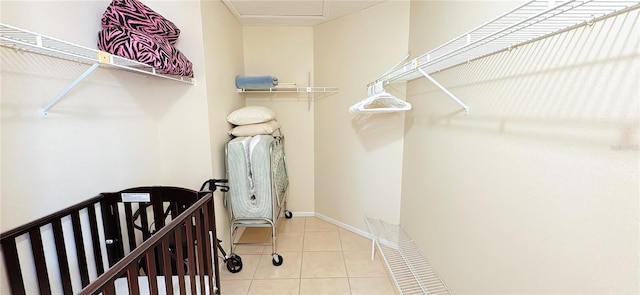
249 166
122 286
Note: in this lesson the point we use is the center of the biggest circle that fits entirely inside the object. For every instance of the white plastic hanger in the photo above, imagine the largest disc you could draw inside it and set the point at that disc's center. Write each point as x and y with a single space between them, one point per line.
379 101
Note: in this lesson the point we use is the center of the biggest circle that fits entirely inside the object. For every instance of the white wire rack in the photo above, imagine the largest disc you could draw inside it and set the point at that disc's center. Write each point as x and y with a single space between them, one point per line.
410 270
531 21
20 39
291 90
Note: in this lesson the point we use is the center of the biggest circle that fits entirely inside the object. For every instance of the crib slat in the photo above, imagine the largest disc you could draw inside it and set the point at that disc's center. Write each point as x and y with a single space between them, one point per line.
95 239
132 278
174 209
211 261
38 257
144 222
152 274
190 255
199 249
61 250
117 234
128 212
110 289
80 251
10 252
158 213
214 237
112 231
177 239
165 258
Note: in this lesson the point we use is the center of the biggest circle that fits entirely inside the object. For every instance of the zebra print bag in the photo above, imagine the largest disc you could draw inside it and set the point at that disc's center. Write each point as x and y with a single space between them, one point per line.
154 51
135 15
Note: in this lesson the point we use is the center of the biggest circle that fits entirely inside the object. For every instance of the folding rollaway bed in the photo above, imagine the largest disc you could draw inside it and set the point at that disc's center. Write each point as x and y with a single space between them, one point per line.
258 182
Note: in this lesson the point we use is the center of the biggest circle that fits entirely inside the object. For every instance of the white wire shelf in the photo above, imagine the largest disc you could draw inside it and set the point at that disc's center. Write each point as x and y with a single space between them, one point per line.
20 39
291 90
529 22
411 272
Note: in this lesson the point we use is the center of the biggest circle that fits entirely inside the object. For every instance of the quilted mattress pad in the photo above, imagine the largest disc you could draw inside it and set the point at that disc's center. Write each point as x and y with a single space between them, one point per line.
252 164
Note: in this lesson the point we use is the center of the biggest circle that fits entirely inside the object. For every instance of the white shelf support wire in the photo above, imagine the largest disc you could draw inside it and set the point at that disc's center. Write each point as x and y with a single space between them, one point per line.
529 22
20 39
411 272
447 92
45 109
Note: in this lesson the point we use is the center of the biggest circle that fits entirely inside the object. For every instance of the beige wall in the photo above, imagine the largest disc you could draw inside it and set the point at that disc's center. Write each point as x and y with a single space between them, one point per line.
358 159
222 36
536 191
287 53
116 129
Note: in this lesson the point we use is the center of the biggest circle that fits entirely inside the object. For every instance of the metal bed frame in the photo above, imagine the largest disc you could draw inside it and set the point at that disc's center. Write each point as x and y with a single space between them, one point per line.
278 205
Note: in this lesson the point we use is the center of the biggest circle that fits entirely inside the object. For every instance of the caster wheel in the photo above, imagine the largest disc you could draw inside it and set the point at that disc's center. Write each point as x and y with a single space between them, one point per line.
288 214
277 260
234 263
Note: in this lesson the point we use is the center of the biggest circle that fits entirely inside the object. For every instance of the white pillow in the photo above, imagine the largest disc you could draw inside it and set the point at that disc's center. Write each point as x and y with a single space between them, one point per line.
255 129
251 115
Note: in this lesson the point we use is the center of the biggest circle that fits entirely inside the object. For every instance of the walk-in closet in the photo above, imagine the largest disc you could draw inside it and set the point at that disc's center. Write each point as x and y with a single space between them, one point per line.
402 147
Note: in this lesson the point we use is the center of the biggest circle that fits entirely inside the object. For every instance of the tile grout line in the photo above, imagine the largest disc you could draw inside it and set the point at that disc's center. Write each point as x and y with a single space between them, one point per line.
304 232
344 262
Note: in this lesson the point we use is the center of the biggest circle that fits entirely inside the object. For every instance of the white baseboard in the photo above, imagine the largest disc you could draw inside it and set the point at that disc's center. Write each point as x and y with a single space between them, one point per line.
344 226
325 218
303 214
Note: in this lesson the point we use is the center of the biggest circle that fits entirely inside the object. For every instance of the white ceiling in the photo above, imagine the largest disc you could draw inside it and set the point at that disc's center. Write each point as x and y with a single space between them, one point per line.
293 12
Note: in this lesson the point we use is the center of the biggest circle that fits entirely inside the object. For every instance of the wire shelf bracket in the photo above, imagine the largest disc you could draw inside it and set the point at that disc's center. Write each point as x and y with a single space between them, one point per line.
447 92
20 39
45 109
411 272
529 22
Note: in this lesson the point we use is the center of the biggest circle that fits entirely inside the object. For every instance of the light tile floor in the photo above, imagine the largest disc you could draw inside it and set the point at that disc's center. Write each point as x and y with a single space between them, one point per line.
318 258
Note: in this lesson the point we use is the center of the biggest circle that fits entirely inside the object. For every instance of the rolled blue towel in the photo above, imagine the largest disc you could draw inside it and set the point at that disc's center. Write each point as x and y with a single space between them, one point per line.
256 82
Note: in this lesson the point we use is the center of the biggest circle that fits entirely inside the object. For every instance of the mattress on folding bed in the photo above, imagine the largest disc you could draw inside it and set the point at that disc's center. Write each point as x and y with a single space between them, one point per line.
260 155
280 178
246 159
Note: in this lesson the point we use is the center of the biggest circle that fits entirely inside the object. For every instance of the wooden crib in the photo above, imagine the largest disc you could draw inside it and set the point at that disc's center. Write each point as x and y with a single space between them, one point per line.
144 240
